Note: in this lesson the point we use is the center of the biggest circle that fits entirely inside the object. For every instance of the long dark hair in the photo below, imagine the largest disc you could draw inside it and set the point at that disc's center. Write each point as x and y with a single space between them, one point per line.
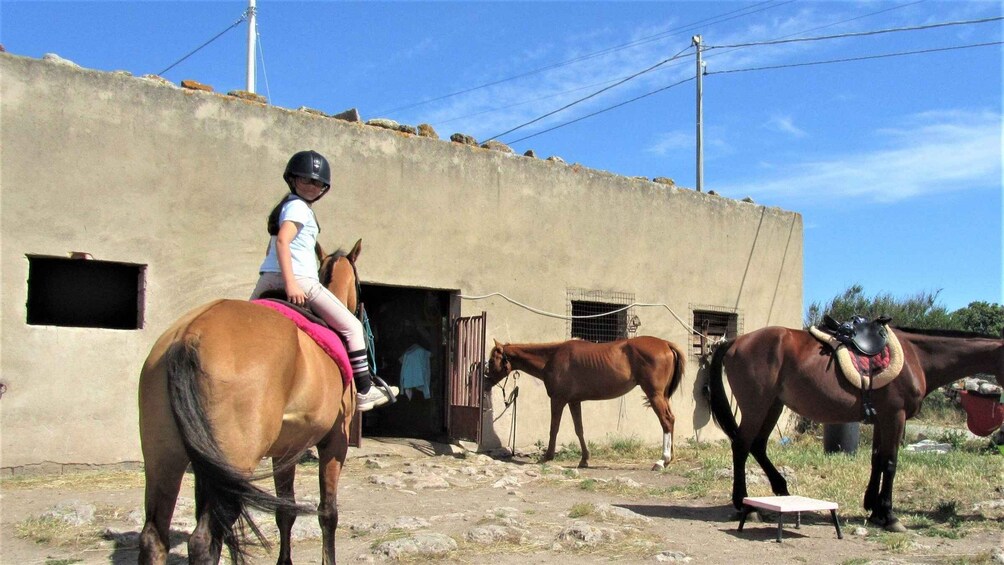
273 217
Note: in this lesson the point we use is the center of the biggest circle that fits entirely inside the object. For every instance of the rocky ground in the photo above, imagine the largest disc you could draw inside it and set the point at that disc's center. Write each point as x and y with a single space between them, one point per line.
415 501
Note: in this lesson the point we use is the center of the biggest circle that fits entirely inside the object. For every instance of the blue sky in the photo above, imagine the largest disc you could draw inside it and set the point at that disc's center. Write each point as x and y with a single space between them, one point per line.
894 162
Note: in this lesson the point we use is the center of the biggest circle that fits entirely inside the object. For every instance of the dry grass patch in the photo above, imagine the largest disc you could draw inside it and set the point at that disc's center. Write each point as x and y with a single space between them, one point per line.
96 480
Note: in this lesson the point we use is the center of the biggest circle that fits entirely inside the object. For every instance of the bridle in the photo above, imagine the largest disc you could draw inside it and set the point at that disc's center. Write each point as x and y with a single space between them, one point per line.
326 273
359 289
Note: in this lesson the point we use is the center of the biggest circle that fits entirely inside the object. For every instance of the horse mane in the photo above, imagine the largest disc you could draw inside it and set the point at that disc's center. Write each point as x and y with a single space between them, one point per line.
328 267
946 333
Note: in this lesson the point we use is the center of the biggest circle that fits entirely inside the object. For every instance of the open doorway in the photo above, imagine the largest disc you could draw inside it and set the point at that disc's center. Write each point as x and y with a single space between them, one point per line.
410 327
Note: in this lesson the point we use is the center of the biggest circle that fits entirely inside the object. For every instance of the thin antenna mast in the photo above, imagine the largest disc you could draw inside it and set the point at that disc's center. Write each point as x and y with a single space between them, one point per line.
252 29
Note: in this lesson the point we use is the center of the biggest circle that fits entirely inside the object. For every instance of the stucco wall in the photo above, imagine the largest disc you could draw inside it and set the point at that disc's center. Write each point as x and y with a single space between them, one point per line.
134 171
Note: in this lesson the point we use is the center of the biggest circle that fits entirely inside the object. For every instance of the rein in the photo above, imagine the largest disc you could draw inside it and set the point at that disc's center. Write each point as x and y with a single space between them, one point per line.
326 272
325 275
359 291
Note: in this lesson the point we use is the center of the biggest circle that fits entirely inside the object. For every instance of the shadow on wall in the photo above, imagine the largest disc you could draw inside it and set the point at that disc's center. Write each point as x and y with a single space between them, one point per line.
702 408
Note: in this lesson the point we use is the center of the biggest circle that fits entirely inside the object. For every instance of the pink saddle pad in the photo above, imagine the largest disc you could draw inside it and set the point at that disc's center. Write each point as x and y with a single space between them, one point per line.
328 340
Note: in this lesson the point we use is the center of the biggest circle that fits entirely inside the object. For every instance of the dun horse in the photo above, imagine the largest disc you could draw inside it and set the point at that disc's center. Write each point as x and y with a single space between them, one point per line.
229 383
574 371
775 367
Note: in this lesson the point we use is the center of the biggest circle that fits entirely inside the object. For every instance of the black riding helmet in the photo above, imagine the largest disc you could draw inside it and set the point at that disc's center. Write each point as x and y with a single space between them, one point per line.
306 164
310 165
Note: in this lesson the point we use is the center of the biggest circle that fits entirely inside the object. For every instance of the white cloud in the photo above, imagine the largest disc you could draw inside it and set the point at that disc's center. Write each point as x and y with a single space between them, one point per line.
786 124
542 87
491 110
672 141
928 153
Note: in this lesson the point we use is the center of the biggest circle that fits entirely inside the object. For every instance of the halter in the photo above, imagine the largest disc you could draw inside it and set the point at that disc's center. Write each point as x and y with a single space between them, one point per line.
510 399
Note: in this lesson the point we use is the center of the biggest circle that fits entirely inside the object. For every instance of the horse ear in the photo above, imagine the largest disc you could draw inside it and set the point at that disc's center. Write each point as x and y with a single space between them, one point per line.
497 344
356 250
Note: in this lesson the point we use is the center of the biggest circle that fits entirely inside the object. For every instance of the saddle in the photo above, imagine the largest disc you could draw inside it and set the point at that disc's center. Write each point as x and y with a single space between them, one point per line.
279 296
325 337
864 371
868 338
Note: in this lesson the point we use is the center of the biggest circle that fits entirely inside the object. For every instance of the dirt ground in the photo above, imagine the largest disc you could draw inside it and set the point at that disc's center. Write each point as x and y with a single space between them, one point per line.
416 501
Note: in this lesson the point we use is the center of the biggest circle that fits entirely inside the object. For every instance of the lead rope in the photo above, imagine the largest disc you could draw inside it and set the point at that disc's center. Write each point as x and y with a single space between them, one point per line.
510 401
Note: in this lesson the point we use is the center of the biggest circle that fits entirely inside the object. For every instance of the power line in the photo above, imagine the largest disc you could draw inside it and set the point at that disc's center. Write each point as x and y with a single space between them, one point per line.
243 17
855 34
496 109
520 103
861 17
261 52
569 105
851 59
709 21
934 50
602 111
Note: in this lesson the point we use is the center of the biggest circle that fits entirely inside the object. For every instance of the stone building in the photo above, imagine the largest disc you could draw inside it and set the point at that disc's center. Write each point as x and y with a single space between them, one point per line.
127 201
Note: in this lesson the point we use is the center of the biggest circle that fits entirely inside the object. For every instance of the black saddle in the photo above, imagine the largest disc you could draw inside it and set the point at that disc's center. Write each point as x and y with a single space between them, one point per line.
280 297
868 338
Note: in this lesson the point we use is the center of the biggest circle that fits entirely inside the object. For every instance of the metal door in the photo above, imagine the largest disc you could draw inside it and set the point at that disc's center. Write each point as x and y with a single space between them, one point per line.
467 366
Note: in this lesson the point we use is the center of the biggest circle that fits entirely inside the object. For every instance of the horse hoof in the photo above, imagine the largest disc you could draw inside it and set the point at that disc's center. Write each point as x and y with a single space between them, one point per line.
659 466
890 525
895 526
583 465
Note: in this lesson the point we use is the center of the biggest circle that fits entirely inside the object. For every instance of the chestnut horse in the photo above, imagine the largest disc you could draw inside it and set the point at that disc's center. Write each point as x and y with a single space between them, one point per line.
775 367
228 384
578 370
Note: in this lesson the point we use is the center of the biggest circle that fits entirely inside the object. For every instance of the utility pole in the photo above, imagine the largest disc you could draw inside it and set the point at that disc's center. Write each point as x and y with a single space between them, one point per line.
700 115
252 34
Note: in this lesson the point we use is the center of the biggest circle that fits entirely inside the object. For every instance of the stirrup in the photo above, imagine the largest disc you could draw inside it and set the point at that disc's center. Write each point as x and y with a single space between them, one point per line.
386 389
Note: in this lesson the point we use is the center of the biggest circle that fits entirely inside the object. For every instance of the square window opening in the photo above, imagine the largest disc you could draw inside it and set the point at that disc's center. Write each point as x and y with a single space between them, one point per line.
715 323
85 293
599 317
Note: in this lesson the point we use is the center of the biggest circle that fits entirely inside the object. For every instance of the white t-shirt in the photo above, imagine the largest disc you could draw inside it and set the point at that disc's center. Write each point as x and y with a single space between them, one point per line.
302 246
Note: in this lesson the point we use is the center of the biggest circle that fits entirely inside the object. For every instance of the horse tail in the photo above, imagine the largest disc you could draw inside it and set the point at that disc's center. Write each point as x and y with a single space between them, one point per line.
679 367
219 486
720 408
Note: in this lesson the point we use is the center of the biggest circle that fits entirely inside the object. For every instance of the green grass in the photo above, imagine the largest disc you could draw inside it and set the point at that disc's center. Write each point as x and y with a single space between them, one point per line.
48 530
619 448
933 492
940 410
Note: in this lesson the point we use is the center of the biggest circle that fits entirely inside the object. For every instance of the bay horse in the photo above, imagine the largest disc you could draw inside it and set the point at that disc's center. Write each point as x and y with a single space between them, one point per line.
230 383
577 370
775 367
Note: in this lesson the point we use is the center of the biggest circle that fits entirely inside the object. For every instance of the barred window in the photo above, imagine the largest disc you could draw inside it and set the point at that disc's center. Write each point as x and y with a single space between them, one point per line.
715 323
600 316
